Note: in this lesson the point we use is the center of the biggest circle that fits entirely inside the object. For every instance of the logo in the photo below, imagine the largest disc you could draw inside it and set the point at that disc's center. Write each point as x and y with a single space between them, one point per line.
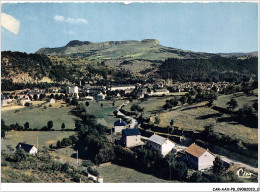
241 173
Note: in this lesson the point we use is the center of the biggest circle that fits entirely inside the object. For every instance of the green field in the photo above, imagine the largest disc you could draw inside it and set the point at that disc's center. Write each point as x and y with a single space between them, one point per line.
195 117
104 115
38 117
152 105
45 138
241 98
112 173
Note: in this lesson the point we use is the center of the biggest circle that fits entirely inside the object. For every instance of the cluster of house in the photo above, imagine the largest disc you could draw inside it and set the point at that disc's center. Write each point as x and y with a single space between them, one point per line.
206 86
196 157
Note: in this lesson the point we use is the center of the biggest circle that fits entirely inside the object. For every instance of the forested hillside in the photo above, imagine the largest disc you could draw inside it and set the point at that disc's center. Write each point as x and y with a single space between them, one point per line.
214 68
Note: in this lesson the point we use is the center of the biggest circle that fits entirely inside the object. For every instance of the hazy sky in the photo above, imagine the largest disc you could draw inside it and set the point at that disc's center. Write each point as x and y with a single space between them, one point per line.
206 27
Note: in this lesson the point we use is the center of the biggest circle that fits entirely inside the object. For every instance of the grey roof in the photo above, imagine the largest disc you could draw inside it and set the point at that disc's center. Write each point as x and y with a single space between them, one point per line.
157 139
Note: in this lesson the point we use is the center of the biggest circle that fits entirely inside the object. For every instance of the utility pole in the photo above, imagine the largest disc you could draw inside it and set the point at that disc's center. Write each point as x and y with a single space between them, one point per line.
37 143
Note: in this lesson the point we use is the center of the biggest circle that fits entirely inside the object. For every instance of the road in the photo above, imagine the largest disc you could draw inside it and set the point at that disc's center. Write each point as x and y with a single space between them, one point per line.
134 124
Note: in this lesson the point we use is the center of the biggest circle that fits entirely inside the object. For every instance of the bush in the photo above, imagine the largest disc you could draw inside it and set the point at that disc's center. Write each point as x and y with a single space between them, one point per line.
93 171
87 163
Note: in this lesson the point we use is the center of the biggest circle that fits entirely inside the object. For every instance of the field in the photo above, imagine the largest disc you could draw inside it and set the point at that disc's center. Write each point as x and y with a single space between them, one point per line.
104 115
240 97
38 117
45 138
152 105
195 117
112 173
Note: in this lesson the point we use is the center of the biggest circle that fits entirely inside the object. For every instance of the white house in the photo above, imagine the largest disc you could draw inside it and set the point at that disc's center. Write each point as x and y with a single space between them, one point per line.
30 149
122 87
52 101
119 126
72 90
198 157
131 137
90 98
24 100
161 144
100 96
159 92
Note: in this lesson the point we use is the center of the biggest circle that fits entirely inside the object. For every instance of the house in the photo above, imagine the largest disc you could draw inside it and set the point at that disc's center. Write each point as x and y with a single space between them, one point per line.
30 149
161 144
72 90
198 157
122 87
24 100
52 101
119 126
160 92
90 98
131 137
100 96
4 100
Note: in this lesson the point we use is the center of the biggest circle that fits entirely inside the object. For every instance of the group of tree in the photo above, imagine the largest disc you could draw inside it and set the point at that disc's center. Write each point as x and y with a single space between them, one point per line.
210 69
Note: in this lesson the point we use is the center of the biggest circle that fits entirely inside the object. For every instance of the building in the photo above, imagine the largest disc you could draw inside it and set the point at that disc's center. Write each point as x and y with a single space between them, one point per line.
99 97
24 100
161 144
122 87
160 92
131 137
199 158
90 98
30 149
52 101
72 90
119 126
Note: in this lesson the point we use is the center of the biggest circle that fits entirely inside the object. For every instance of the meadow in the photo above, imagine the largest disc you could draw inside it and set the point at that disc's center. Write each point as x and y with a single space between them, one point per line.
45 138
112 173
241 98
152 105
104 115
38 116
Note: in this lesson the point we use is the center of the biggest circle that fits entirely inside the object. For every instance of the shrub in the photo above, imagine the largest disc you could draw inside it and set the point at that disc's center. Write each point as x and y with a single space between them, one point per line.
93 171
87 163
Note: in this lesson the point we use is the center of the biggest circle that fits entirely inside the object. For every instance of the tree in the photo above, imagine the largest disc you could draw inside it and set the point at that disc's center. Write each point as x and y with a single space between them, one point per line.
172 122
255 106
113 103
49 125
87 103
62 126
3 128
58 144
157 120
101 105
232 104
19 155
77 124
35 97
26 125
218 166
184 99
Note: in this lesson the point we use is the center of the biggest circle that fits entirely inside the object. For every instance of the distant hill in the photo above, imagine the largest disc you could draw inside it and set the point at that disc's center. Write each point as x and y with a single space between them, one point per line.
250 54
148 49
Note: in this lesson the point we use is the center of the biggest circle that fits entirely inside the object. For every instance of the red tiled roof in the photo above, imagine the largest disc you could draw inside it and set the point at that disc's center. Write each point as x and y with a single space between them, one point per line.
195 150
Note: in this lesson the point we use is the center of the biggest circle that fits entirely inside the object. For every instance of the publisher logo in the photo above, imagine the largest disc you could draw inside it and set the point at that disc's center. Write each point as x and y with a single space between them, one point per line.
241 173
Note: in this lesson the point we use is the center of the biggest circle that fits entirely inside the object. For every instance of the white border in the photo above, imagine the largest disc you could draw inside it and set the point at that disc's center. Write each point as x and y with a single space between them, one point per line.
131 186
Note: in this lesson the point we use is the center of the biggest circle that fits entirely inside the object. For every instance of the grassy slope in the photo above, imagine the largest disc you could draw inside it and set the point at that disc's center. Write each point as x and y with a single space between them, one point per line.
38 117
118 174
240 97
45 138
104 115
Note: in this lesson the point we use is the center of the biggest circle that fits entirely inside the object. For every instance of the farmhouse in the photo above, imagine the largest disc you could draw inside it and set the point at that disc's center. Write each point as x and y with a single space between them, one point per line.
198 157
161 144
160 92
119 126
30 149
131 137
122 87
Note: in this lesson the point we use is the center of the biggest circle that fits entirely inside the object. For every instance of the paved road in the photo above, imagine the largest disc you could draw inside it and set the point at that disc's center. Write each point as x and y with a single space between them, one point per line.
134 122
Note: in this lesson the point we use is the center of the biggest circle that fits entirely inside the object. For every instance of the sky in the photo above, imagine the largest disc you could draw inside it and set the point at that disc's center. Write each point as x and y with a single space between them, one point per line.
205 27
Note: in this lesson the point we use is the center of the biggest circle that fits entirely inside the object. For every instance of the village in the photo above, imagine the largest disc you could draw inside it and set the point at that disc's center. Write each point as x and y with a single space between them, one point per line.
126 130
